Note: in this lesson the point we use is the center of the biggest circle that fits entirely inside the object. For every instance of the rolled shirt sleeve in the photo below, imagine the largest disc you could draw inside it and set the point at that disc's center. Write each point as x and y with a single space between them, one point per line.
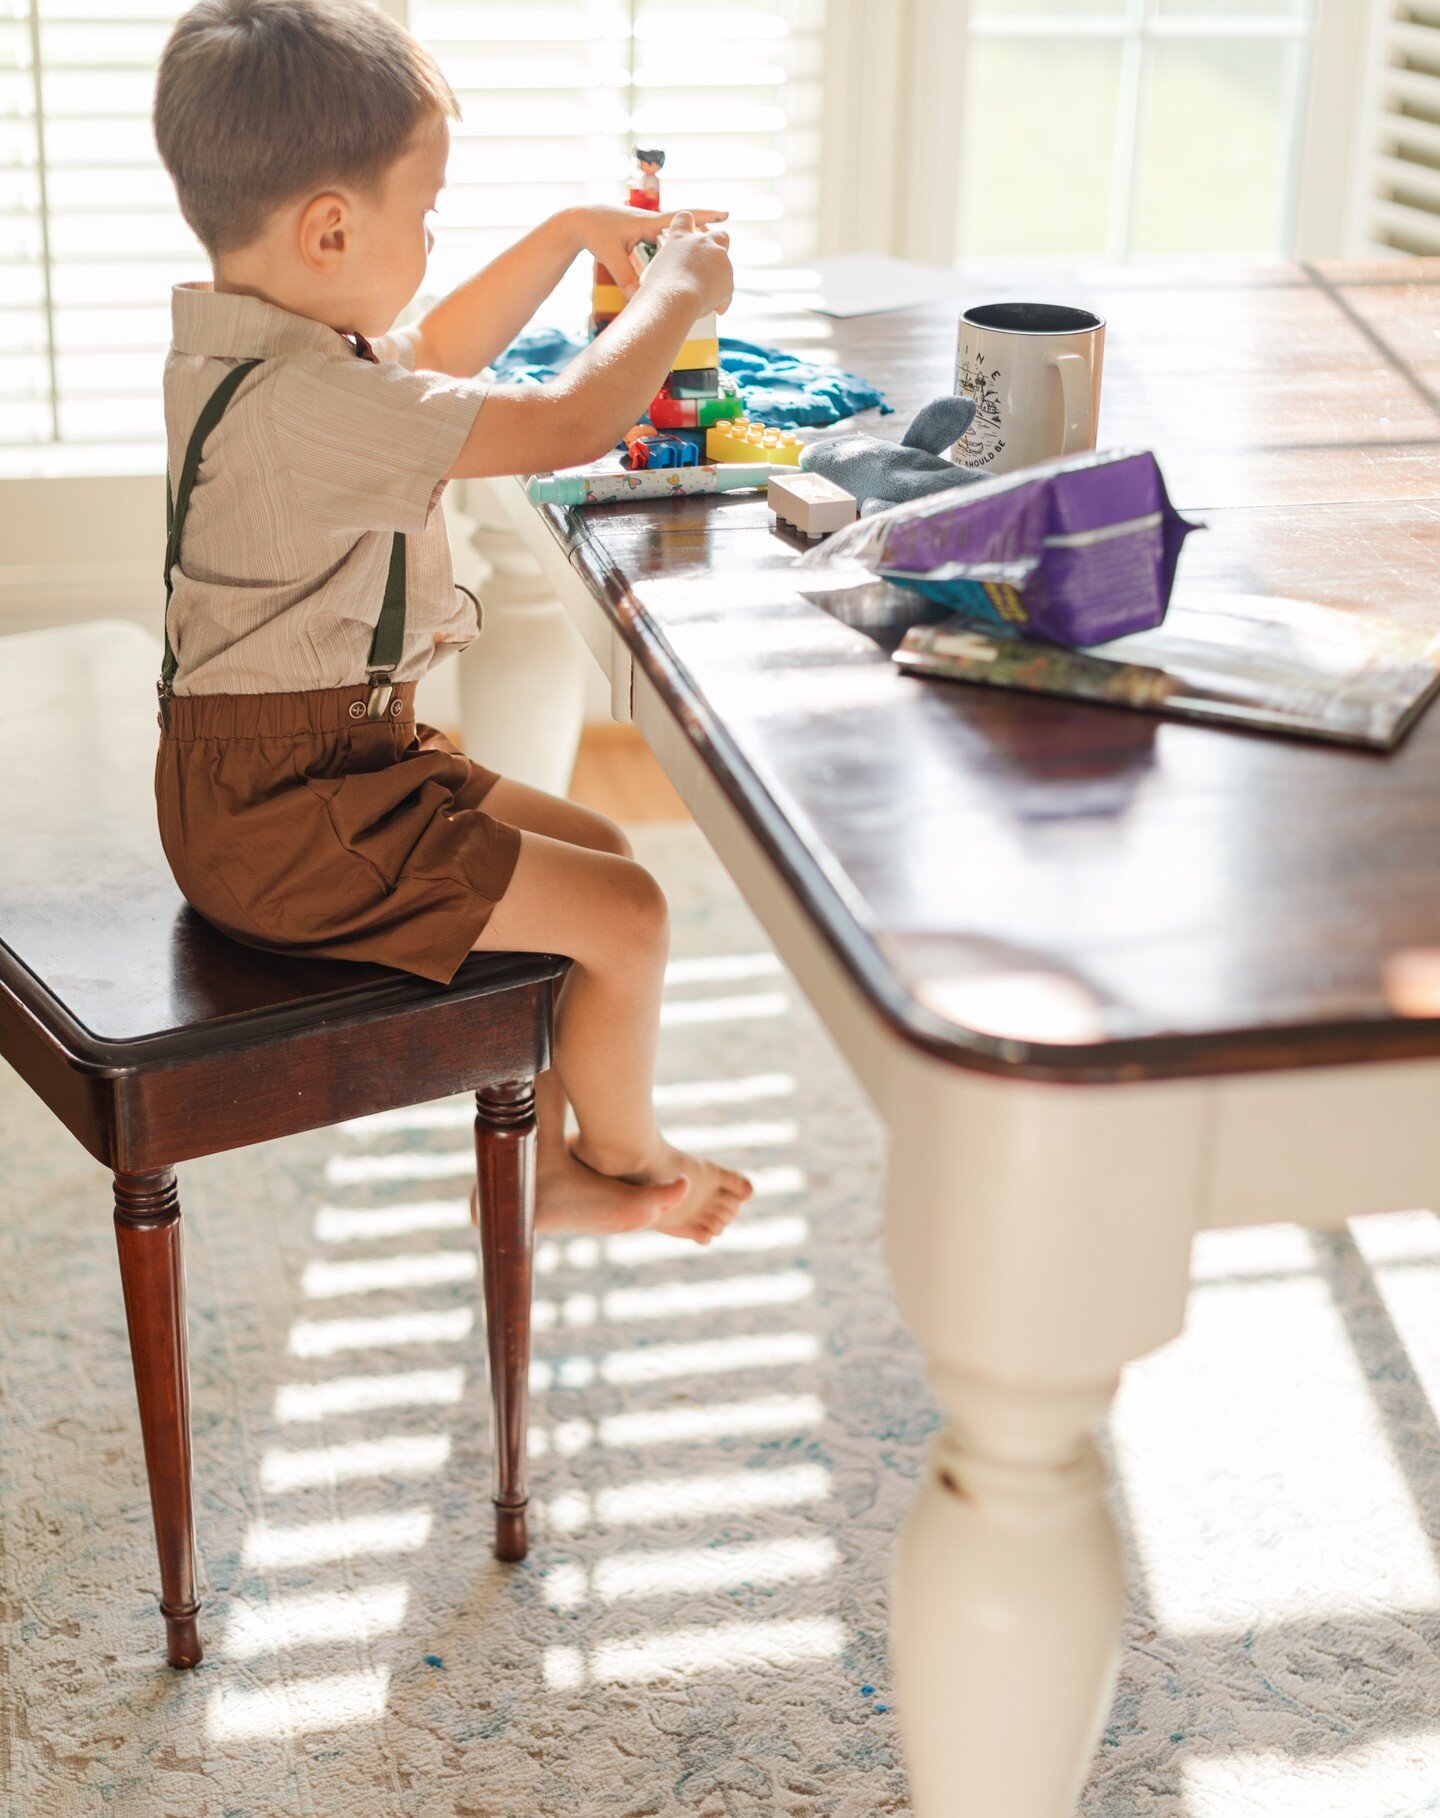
366 446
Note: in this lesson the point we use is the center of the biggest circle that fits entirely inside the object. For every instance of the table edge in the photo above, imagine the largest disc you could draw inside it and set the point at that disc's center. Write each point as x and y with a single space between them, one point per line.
1178 1055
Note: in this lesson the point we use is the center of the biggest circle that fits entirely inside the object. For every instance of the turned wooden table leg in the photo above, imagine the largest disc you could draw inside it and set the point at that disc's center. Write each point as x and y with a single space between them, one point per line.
1008 1605
152 1276
505 1159
1039 1238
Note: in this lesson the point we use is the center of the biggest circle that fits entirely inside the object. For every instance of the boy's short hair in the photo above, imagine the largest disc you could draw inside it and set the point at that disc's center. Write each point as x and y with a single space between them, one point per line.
259 102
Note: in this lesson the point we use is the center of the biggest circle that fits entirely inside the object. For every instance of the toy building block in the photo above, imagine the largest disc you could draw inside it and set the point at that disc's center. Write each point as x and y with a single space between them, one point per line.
742 440
607 300
645 447
697 353
641 255
700 382
602 274
693 413
633 441
671 451
813 504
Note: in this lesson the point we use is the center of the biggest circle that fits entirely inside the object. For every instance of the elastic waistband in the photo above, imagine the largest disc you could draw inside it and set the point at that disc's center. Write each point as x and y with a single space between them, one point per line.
278 716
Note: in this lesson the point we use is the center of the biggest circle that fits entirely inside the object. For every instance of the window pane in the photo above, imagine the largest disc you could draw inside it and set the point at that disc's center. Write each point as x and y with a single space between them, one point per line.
137 419
1213 154
1056 9
1288 10
1039 145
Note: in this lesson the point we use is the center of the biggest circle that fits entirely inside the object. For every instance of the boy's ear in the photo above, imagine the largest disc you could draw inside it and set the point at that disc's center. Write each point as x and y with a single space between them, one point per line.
324 230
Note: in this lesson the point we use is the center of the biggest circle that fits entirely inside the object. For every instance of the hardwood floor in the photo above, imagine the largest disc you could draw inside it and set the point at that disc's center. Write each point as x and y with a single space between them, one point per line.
616 774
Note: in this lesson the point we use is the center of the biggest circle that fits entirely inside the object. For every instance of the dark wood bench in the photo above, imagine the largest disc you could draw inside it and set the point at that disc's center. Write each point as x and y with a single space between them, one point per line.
154 1040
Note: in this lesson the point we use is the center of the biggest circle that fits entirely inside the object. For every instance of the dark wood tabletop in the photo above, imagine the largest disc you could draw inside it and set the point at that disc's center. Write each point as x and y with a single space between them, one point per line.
1077 892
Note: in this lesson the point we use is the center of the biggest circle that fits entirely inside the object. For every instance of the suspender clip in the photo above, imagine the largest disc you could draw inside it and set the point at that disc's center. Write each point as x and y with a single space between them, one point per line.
377 702
162 688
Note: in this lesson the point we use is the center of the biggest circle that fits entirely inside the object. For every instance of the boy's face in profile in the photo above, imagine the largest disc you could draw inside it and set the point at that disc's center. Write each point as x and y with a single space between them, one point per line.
389 239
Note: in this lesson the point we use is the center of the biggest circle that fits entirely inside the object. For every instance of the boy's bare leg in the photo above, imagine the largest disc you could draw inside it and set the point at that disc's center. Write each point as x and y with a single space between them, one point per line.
609 916
569 1197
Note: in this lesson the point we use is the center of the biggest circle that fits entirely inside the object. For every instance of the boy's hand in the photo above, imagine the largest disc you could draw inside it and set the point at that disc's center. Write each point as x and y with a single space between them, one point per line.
611 233
690 254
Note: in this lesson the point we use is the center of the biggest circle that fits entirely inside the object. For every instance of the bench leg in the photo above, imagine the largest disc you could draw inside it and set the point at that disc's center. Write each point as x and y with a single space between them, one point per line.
152 1276
505 1160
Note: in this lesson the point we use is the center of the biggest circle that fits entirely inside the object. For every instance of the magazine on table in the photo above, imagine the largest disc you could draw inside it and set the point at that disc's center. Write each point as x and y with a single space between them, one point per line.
1283 665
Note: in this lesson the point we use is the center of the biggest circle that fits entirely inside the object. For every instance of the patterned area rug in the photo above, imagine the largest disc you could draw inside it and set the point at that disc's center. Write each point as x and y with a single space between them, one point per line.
723 1446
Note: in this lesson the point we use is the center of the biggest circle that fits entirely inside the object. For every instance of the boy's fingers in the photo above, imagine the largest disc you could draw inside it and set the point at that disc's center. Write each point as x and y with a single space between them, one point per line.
701 217
721 239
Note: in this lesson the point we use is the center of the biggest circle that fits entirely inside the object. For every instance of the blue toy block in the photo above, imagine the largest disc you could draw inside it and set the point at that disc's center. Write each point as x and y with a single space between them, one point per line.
670 450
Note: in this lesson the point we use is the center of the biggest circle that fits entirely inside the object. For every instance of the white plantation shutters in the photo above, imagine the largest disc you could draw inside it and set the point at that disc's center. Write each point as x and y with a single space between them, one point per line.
90 238
1398 208
555 92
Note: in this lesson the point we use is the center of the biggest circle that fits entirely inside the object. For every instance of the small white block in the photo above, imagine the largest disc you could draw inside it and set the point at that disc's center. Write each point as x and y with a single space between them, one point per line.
813 504
706 329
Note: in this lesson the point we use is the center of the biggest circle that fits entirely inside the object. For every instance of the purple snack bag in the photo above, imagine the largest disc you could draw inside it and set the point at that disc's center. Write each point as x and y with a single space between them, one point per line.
1078 550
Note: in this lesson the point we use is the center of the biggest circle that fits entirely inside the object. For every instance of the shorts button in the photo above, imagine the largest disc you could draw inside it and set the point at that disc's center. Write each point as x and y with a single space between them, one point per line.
395 708
357 710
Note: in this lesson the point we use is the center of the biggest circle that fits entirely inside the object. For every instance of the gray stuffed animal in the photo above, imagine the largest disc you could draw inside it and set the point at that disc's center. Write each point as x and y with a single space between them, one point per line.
880 474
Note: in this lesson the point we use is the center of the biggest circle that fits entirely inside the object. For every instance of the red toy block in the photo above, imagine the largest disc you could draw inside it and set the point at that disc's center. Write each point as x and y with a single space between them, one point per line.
674 413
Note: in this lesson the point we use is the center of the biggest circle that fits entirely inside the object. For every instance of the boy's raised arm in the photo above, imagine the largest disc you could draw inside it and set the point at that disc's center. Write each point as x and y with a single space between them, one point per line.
582 414
481 317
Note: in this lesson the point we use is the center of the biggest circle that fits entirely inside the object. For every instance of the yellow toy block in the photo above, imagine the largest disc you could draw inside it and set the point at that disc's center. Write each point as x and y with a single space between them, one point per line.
742 440
606 300
696 354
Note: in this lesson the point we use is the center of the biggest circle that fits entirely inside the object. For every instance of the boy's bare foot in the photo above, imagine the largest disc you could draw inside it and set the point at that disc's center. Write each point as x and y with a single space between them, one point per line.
712 1196
573 1200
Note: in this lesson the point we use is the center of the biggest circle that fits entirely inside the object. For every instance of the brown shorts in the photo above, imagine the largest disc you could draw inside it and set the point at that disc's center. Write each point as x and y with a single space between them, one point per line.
295 824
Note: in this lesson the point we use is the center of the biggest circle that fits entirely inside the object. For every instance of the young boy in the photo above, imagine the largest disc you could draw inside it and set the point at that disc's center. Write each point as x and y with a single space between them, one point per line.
301 807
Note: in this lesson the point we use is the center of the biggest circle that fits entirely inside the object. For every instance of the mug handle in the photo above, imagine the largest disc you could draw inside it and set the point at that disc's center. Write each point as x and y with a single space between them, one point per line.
1074 371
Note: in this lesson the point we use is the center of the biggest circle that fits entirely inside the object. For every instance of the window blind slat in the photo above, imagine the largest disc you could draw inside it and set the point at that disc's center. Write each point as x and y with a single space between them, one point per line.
554 93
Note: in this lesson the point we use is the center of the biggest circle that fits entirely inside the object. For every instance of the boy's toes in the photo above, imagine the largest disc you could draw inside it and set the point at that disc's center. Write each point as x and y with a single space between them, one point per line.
731 1182
720 1212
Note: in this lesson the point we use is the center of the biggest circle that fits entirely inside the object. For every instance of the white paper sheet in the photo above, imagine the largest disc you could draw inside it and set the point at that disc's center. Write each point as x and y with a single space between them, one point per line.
858 284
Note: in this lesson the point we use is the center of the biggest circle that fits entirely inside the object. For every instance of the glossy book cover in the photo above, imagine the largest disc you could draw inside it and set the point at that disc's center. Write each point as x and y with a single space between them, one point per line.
1274 664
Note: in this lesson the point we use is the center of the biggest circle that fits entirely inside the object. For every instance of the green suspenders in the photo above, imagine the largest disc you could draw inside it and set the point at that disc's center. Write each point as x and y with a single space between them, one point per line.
389 639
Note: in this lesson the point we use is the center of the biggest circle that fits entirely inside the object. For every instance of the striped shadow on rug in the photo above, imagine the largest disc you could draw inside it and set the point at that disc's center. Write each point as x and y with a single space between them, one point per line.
723 1446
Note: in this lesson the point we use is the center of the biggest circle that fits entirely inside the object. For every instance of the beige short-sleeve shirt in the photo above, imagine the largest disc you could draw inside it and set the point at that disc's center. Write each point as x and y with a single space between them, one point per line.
321 455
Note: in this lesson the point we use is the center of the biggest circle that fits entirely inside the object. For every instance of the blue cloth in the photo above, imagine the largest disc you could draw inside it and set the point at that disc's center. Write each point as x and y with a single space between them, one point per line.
790 393
778 388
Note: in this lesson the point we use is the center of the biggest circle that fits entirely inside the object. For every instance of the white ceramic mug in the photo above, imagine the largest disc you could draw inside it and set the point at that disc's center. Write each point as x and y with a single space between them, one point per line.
1033 370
